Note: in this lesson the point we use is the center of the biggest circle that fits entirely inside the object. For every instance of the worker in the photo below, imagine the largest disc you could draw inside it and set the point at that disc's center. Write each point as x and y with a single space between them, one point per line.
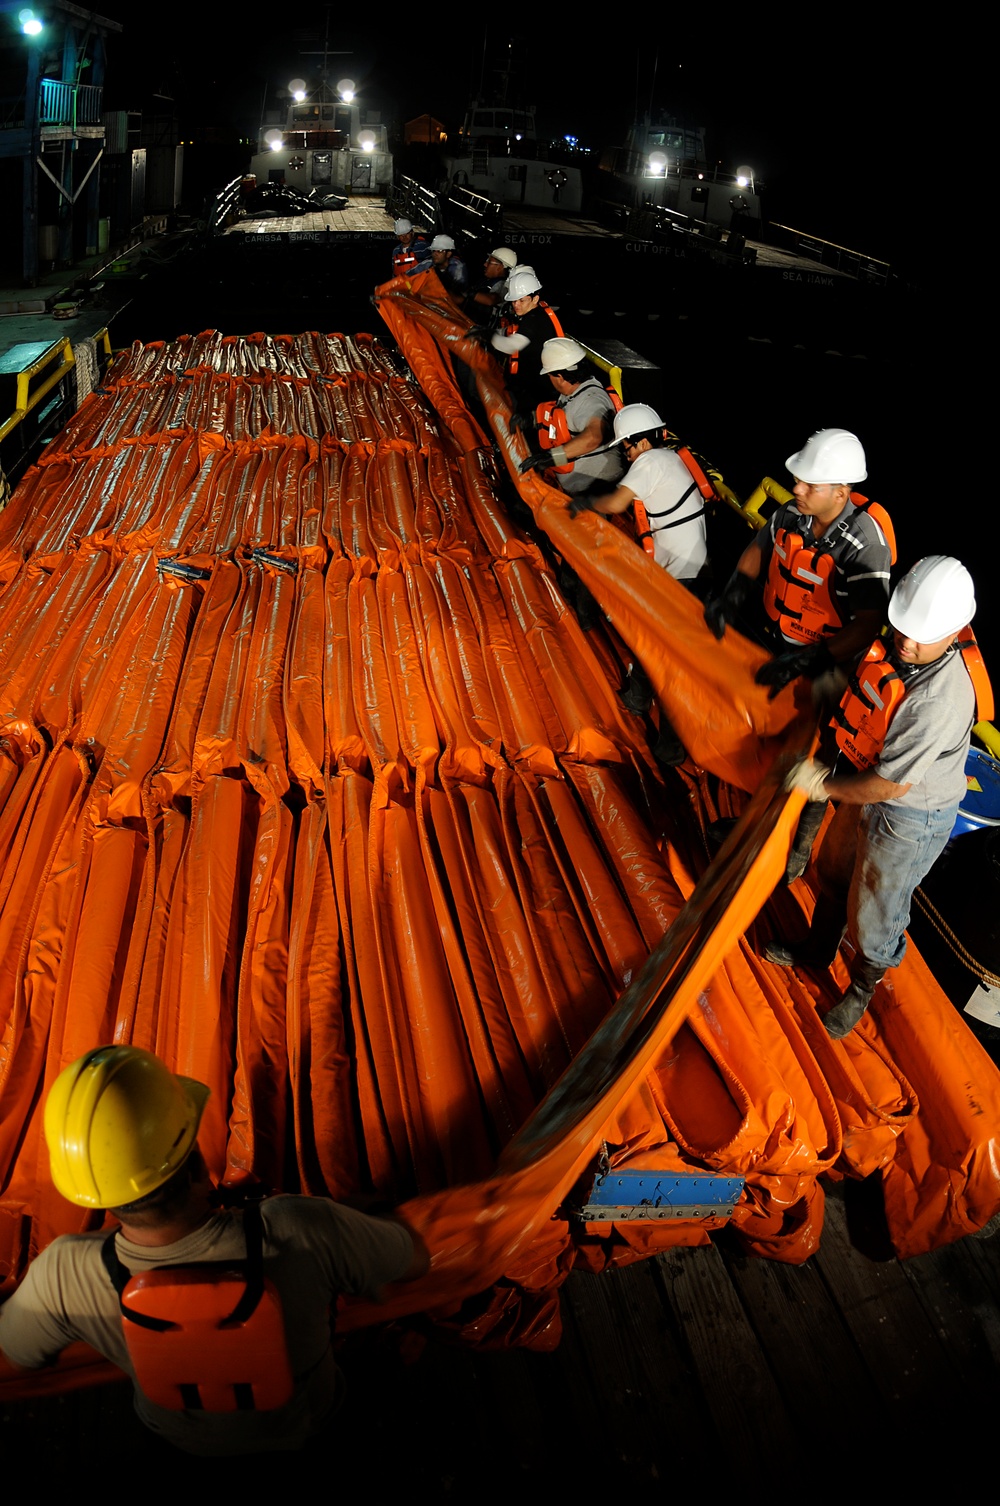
448 265
902 733
122 1135
488 296
823 563
577 426
411 252
672 509
662 490
531 322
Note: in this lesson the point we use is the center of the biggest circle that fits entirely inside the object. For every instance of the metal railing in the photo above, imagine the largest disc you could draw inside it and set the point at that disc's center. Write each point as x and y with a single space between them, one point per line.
11 111
224 208
474 215
411 199
64 104
830 254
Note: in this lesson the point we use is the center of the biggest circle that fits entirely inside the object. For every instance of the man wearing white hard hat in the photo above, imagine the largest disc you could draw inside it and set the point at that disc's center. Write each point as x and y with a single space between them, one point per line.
531 322
822 562
448 265
578 425
491 291
411 252
670 520
661 484
902 734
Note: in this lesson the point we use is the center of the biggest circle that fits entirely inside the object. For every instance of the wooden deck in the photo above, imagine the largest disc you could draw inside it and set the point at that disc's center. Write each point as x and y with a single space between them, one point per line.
701 1366
363 216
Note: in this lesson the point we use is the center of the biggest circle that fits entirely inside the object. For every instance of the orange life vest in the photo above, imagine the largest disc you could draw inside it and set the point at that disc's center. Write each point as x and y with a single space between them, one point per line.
875 690
406 260
207 1337
553 425
643 531
511 329
798 593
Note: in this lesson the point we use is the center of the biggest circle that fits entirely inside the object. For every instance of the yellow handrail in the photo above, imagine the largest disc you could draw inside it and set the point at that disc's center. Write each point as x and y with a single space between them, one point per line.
988 736
60 354
768 490
613 373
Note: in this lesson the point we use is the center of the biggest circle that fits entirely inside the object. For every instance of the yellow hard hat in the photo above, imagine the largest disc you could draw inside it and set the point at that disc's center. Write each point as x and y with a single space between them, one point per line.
118 1124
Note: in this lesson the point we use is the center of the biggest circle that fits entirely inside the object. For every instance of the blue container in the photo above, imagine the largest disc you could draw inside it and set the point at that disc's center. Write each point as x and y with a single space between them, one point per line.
981 806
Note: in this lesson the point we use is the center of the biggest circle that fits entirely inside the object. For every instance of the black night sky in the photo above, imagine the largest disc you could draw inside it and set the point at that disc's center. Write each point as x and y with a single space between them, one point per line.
816 117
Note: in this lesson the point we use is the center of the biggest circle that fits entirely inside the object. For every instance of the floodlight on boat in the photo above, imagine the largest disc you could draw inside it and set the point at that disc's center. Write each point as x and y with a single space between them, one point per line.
346 88
366 140
298 95
657 162
297 87
744 177
30 24
274 139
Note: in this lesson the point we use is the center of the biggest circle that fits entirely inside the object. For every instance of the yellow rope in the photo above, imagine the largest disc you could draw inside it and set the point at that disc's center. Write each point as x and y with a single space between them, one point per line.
941 925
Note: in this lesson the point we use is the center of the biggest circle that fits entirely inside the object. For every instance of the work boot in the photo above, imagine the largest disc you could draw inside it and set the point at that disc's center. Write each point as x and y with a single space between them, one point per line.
842 1018
800 954
637 694
810 822
822 944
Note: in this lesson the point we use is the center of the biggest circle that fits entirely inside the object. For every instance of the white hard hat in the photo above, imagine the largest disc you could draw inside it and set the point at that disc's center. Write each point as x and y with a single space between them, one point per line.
559 354
830 457
402 227
505 256
933 599
636 418
521 283
442 243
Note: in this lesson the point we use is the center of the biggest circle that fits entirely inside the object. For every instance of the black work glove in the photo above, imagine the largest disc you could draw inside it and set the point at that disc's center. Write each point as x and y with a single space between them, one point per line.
522 422
582 503
538 460
479 333
724 607
812 660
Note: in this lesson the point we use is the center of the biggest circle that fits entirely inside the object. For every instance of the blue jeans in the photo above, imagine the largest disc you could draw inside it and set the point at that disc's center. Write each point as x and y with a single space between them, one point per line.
896 849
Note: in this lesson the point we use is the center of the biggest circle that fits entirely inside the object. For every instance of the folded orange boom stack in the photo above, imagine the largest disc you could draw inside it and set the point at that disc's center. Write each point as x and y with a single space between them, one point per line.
312 784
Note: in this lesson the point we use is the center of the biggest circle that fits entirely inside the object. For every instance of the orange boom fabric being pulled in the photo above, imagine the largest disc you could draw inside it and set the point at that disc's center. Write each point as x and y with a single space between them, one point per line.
311 783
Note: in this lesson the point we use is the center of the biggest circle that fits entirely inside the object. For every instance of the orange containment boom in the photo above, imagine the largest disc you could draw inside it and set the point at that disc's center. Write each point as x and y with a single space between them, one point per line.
311 783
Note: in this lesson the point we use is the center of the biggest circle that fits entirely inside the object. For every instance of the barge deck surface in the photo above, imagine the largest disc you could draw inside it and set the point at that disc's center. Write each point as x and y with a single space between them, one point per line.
699 1366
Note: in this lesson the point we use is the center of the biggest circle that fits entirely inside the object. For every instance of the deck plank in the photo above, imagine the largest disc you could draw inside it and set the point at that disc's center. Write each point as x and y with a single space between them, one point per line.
898 1341
731 1367
801 1332
653 1415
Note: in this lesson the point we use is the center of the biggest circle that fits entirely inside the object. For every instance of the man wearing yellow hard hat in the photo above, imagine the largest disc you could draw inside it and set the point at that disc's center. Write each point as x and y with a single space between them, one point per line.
221 1317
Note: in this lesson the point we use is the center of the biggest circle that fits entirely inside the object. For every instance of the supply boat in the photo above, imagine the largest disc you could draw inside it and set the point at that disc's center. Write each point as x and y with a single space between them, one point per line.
328 143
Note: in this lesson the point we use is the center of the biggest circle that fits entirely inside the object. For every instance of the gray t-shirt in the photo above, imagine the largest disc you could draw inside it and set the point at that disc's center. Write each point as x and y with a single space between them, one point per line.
590 400
314 1249
928 738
